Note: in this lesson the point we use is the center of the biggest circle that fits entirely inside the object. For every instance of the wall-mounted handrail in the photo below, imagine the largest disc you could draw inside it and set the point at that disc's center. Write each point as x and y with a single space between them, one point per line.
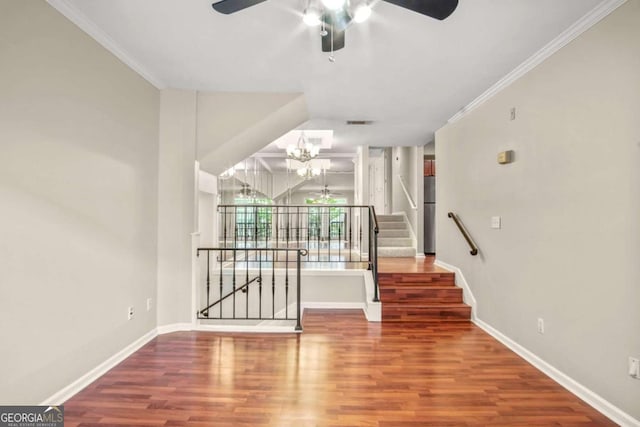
465 233
406 193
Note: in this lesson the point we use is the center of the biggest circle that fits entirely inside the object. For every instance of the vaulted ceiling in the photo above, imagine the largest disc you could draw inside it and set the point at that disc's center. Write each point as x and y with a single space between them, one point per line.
405 72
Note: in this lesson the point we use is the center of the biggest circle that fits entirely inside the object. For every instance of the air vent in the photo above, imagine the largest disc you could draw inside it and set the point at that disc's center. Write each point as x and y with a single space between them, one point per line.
359 122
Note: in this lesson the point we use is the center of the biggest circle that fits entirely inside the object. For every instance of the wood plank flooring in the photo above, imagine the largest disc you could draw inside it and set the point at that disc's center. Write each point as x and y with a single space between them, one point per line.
342 371
409 265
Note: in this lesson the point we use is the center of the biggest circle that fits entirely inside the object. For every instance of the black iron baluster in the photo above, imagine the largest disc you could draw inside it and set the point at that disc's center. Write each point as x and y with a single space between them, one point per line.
267 234
308 246
260 284
376 296
222 257
298 315
339 239
208 282
275 254
329 234
273 287
286 286
234 283
255 227
288 227
360 217
246 280
350 243
370 244
224 227
235 228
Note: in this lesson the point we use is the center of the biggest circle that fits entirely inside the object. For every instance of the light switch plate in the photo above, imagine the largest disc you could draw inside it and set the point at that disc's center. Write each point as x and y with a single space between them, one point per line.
496 222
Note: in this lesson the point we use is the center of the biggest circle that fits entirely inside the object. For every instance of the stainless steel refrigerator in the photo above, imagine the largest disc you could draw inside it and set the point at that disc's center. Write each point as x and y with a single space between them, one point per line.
429 214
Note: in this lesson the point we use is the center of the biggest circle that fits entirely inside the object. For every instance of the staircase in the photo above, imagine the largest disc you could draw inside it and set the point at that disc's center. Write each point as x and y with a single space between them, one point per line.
394 238
421 297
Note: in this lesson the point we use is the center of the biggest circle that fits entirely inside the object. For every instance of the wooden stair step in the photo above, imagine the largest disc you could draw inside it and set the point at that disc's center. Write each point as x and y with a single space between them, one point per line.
425 313
420 294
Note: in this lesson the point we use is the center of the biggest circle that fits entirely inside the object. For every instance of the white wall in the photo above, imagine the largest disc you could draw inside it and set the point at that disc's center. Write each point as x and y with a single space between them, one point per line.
569 246
177 198
233 126
78 186
408 162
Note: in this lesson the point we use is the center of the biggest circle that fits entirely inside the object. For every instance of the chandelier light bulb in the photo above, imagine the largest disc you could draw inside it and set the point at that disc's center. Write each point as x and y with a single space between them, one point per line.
333 4
363 12
311 17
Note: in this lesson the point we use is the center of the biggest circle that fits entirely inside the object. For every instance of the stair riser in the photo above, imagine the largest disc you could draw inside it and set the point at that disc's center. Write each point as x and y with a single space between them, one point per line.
396 252
392 225
390 218
394 313
425 279
421 296
393 233
395 241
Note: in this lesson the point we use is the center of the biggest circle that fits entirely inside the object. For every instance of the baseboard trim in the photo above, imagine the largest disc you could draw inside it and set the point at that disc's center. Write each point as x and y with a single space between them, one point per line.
175 327
604 406
72 389
258 329
334 305
469 299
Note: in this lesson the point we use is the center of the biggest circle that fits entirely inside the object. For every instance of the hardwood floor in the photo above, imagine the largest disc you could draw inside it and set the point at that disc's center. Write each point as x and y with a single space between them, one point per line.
342 371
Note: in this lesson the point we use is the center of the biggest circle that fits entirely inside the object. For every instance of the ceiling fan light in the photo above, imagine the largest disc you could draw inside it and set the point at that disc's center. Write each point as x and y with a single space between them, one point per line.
363 12
333 4
311 17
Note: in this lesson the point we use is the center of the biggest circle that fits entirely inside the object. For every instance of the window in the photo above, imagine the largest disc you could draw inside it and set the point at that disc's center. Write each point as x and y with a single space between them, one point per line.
327 221
253 222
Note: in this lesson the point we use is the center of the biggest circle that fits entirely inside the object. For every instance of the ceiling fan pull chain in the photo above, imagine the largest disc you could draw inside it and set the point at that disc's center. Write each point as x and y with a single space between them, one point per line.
331 57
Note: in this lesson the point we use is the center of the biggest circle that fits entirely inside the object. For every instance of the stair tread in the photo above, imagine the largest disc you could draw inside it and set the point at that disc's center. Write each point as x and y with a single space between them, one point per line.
434 304
438 287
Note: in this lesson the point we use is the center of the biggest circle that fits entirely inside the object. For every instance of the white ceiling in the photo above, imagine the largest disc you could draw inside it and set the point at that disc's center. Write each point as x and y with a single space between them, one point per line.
406 72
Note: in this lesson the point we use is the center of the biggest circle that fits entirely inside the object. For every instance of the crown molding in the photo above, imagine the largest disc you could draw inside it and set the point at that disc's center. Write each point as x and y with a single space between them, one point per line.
583 24
89 27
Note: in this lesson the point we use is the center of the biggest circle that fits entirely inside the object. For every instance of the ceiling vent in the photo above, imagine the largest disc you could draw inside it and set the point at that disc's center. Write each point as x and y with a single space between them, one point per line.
359 122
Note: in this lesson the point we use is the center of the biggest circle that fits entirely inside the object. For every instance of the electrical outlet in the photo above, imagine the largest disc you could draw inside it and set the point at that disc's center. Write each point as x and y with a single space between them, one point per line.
130 313
540 325
634 367
148 304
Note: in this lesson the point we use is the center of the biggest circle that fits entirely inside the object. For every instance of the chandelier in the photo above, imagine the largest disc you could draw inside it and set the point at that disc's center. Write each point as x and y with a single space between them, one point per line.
308 172
303 151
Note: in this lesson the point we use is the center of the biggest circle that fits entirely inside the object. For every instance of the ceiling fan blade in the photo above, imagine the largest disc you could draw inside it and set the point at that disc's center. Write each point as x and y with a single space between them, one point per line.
438 9
231 6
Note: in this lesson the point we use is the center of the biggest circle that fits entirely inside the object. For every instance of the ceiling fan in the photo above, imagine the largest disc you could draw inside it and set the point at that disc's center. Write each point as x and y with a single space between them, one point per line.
335 15
325 194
